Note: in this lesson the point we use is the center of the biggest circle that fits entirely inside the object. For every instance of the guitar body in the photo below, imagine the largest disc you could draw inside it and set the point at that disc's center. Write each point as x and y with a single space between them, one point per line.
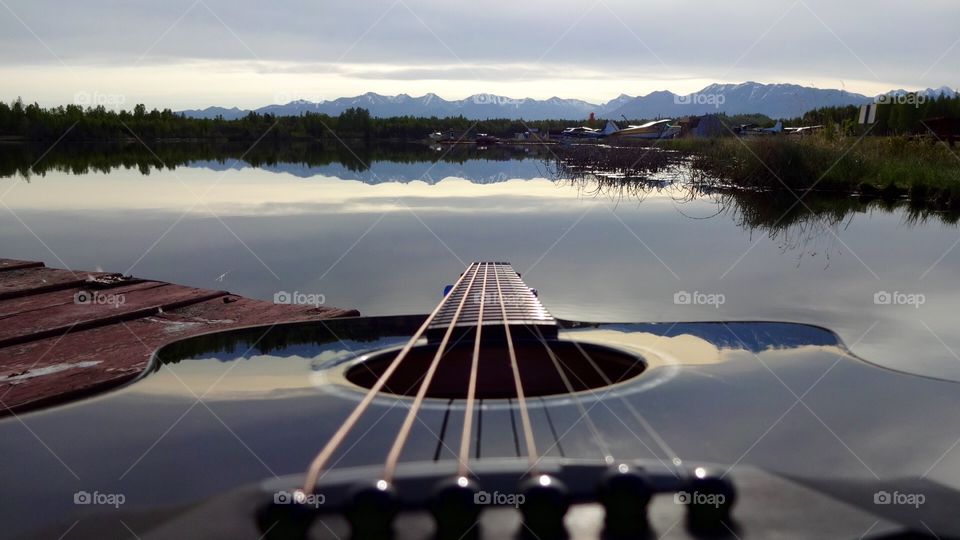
210 442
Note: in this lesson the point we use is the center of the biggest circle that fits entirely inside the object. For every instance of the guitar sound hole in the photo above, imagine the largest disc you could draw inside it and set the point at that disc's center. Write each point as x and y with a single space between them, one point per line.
495 379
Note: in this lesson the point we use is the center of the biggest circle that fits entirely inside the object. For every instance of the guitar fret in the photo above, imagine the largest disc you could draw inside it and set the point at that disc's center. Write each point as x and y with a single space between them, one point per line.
517 300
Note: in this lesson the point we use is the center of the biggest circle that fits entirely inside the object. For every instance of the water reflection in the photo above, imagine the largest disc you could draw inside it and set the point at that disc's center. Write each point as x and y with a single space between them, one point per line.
807 224
600 245
386 162
804 224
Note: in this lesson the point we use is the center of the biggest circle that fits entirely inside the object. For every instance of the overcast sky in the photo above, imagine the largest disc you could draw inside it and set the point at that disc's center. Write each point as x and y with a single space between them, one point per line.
195 53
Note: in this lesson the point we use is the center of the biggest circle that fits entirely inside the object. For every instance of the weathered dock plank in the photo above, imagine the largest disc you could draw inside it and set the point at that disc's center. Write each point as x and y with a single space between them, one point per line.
117 305
26 281
46 300
54 348
11 264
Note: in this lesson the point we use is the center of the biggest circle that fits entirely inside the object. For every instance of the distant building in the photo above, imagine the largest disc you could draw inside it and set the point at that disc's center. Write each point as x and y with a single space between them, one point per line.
944 128
451 135
705 126
532 134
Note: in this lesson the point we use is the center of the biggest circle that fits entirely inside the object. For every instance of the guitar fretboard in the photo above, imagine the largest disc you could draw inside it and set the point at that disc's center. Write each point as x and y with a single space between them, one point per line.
517 300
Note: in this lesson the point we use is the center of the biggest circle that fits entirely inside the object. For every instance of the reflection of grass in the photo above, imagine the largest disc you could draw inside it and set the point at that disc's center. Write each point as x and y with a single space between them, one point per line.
631 171
812 226
888 166
761 179
797 221
775 213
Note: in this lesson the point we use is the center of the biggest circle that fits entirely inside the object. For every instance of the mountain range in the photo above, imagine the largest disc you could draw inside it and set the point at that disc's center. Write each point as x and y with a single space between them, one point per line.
773 100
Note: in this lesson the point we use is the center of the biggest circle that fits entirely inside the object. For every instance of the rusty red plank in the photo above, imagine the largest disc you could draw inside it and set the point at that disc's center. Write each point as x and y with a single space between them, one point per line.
26 281
109 307
13 264
34 302
122 351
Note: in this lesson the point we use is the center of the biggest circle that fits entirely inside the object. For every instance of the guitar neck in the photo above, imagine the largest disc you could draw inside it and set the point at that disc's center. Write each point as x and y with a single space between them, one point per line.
504 297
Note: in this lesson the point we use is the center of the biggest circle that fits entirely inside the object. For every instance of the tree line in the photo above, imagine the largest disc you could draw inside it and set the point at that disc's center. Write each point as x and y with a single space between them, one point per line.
901 115
896 115
76 123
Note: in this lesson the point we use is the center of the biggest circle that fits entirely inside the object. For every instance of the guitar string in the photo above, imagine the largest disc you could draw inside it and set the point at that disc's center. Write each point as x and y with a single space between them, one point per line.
472 384
672 456
390 467
518 383
316 466
584 413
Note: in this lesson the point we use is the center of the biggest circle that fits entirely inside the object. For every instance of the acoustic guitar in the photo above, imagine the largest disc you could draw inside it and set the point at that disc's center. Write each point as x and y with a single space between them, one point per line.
489 418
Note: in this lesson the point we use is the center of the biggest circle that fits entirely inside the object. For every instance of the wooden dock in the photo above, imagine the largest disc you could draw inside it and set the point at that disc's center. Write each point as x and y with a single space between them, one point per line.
65 334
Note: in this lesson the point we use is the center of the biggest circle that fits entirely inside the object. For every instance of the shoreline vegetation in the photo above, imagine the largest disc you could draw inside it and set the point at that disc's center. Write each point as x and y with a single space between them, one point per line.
897 158
73 123
888 167
19 121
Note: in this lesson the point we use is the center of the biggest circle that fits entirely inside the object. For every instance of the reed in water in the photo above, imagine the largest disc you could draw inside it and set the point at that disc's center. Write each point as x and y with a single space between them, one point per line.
923 171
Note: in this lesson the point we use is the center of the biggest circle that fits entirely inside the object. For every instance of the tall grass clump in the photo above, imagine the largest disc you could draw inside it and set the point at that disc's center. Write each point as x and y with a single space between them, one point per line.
893 166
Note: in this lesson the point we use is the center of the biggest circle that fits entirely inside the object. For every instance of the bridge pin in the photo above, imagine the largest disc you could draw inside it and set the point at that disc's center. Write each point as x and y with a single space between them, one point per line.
709 499
456 505
284 517
372 509
545 503
625 494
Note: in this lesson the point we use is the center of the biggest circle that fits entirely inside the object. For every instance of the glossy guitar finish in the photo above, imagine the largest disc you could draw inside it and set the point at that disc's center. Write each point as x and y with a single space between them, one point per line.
808 433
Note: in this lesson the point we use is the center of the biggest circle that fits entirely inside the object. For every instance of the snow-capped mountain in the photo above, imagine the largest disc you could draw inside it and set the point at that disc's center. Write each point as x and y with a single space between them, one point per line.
478 106
929 93
773 100
213 112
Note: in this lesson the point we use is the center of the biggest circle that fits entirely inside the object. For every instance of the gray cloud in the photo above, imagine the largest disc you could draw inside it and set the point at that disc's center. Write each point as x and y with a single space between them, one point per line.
885 41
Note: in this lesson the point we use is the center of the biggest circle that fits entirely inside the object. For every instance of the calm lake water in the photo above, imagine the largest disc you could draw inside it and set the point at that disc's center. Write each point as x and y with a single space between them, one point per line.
384 231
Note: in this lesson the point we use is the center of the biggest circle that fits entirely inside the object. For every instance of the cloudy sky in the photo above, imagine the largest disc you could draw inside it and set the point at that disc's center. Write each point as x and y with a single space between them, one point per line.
195 53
